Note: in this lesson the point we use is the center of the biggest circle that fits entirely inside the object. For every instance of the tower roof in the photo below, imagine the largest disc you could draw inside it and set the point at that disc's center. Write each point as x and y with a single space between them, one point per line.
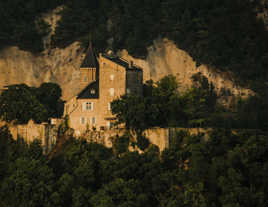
90 61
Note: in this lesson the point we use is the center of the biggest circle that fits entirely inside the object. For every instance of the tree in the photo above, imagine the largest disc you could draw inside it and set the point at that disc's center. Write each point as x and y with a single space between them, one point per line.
30 183
129 109
5 141
19 104
160 105
49 94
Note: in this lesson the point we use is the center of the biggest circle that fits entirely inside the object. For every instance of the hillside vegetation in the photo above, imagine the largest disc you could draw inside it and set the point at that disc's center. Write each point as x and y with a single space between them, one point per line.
229 169
21 25
221 34
163 104
20 103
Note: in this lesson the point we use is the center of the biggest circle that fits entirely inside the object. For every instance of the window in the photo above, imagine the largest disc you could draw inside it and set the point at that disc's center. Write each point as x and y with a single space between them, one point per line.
92 91
82 120
85 78
111 91
108 124
128 91
112 77
109 106
87 106
93 120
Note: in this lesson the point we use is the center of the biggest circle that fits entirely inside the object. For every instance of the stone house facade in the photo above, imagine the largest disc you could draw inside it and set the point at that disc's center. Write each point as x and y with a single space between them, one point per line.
103 79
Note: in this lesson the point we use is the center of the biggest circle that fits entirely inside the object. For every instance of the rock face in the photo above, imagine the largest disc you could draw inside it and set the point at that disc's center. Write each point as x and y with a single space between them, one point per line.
165 58
57 65
62 65
53 65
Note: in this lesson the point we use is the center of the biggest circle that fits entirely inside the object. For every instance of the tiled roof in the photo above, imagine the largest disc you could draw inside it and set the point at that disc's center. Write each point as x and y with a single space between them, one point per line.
122 62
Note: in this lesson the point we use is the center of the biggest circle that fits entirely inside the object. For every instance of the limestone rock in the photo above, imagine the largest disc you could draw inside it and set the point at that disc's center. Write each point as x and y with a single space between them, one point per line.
164 58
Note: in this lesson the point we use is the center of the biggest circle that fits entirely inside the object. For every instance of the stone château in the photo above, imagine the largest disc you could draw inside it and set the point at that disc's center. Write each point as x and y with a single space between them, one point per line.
103 79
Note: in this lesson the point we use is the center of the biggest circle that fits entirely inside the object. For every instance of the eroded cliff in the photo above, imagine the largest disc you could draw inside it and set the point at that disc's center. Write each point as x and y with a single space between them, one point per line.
62 65
165 58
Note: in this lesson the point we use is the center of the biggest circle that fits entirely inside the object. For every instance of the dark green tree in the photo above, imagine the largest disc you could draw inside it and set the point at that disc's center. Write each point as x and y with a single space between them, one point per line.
19 104
49 94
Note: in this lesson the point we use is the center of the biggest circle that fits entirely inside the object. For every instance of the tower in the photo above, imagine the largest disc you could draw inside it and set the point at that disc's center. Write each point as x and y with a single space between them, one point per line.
88 68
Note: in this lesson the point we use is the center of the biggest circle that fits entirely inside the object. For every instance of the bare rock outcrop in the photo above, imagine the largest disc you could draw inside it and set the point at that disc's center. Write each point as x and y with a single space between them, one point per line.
62 65
165 58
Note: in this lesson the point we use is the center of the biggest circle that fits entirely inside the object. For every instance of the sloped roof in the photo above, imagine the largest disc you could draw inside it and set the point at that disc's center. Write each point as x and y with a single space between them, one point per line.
90 60
91 91
122 62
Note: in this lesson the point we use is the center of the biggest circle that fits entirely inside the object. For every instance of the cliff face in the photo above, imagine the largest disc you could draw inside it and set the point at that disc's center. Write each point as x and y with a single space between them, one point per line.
165 58
62 65
53 65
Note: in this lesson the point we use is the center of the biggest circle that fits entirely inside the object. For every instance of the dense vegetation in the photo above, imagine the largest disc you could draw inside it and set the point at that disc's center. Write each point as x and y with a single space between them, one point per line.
20 103
222 34
164 105
224 168
229 169
20 23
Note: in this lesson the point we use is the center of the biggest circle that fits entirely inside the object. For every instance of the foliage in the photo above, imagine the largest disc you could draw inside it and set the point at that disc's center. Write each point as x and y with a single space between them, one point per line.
158 106
163 105
30 182
21 23
49 94
5 140
222 34
142 142
227 168
130 110
121 143
20 103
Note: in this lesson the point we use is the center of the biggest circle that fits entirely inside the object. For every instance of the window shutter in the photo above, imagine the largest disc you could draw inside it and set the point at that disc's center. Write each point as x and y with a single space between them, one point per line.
92 106
84 105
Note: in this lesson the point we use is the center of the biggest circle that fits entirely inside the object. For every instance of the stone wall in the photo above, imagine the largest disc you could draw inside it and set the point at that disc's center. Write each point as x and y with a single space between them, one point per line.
160 137
45 132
